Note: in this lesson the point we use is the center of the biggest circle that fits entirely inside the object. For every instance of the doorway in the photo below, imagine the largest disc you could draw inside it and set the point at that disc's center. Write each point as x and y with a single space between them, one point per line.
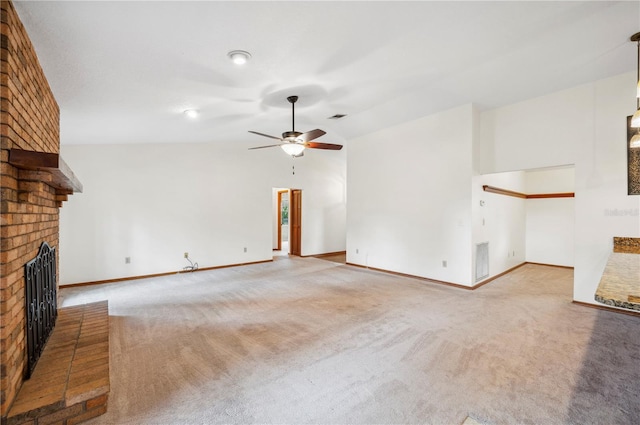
287 219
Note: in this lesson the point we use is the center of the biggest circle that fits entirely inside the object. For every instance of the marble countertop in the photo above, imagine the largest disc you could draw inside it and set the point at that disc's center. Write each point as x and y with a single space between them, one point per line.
620 282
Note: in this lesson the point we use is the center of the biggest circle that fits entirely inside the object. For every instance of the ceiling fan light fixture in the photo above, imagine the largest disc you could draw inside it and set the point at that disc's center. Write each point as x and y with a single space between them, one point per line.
293 142
239 57
293 149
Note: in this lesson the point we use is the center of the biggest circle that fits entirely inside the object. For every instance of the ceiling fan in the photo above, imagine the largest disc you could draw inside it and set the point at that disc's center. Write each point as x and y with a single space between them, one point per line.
293 142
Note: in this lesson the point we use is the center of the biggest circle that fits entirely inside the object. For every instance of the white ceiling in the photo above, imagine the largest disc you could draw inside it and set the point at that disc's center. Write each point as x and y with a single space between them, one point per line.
123 72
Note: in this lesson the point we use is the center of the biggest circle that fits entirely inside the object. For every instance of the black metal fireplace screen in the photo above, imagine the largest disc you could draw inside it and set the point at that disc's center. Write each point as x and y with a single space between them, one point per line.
41 303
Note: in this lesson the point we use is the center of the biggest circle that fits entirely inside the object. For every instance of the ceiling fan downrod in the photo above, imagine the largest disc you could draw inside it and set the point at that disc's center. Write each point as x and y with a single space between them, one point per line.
293 100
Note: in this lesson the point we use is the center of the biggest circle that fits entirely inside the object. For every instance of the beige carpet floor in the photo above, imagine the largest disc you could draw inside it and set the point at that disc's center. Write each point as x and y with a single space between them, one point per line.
303 340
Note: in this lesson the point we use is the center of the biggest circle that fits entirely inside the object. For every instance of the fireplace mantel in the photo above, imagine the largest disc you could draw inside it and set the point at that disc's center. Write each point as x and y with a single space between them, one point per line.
52 165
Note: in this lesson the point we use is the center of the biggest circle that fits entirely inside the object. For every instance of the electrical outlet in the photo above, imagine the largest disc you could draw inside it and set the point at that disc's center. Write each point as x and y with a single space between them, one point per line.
186 255
514 254
127 260
245 249
444 263
357 251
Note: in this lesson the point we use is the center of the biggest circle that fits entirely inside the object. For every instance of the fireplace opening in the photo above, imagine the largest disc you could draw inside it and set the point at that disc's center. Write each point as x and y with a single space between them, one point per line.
41 303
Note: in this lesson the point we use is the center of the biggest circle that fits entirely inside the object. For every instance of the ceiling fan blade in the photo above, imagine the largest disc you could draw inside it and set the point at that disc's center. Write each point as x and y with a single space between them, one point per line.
319 145
262 147
265 135
310 135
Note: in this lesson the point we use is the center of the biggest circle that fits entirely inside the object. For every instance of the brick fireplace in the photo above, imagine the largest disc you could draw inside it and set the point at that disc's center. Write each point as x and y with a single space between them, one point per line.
34 182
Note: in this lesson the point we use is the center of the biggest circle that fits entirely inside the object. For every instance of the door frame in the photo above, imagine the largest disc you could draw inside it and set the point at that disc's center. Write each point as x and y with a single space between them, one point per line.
279 216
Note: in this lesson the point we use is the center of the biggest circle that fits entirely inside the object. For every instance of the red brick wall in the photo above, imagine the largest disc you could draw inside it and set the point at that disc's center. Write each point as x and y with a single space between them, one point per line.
30 120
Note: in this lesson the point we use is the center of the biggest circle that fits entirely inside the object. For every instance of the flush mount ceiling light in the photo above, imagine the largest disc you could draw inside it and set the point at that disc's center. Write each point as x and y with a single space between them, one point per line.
191 113
239 57
634 143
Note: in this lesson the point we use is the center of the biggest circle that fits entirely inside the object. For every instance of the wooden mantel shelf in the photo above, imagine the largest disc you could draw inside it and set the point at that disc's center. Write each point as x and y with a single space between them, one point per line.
62 178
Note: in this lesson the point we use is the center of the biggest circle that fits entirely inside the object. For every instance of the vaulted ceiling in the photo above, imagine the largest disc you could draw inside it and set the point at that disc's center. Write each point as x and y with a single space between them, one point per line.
124 72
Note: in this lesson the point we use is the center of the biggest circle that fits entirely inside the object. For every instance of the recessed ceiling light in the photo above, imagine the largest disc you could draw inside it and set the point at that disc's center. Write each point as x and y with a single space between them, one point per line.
239 57
191 113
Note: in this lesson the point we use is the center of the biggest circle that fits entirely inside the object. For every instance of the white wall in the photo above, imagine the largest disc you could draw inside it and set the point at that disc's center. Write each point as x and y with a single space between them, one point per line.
536 133
584 126
324 202
409 197
550 180
601 184
500 220
550 222
154 202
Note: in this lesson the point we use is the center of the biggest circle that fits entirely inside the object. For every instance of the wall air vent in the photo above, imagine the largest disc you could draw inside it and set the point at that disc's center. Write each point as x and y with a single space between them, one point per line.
337 117
482 261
